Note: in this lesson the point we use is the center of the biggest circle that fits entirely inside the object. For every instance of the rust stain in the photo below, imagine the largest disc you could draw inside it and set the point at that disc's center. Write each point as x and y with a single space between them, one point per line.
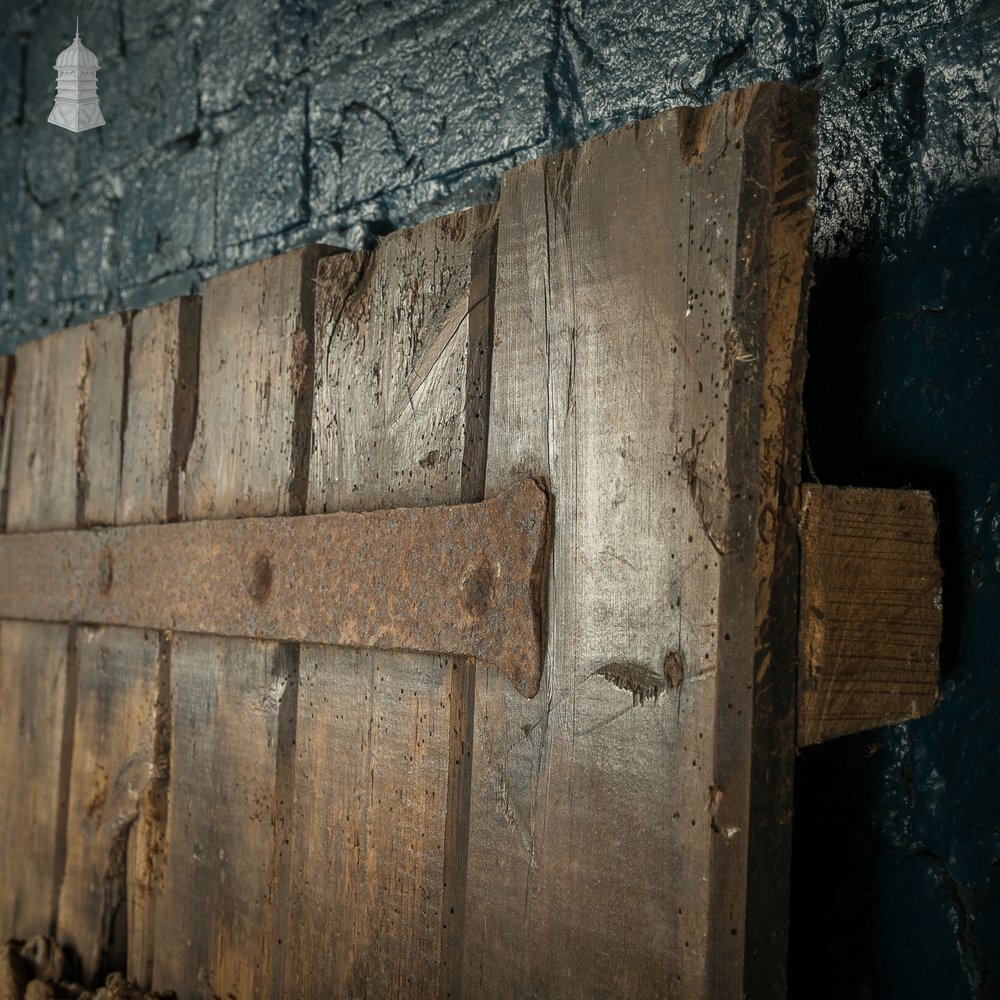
466 580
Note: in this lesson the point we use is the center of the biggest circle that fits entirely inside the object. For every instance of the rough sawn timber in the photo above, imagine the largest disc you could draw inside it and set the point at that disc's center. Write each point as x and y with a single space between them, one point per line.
113 767
37 694
382 765
64 454
80 438
871 610
66 448
162 395
232 701
647 361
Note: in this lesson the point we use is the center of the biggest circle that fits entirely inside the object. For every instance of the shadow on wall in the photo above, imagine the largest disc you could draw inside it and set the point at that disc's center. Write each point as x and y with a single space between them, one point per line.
896 873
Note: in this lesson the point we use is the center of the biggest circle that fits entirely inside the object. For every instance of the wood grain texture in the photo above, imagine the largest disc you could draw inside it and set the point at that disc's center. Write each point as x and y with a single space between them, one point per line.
609 823
231 703
66 449
7 368
160 409
368 825
64 472
101 408
871 610
778 191
43 460
382 763
390 420
250 453
105 446
113 766
37 691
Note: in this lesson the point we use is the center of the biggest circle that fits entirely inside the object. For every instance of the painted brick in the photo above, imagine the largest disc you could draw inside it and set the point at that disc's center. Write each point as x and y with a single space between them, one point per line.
262 180
168 216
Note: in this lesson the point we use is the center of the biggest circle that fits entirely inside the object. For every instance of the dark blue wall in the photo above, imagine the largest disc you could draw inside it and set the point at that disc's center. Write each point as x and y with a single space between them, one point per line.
237 129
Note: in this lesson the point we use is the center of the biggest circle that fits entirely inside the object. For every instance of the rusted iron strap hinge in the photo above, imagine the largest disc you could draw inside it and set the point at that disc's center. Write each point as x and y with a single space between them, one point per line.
466 580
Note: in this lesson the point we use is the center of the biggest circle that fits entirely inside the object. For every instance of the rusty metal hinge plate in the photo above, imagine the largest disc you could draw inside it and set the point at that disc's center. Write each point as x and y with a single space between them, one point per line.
466 580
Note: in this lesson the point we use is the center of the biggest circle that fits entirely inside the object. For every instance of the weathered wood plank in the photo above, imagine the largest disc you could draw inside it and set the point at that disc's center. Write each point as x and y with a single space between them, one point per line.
43 461
231 716
6 428
125 471
63 473
250 453
146 850
609 824
101 397
37 691
392 410
233 701
113 766
163 382
777 246
399 419
871 610
368 826
66 449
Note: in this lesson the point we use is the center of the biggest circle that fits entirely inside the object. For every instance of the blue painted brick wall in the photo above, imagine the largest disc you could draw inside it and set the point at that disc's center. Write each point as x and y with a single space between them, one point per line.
238 129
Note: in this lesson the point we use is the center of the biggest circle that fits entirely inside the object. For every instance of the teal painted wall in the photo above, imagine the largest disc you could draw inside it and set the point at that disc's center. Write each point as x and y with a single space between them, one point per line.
236 130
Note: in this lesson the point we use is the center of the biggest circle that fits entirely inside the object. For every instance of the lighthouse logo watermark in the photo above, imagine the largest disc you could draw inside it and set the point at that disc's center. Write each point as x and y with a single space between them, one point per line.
76 107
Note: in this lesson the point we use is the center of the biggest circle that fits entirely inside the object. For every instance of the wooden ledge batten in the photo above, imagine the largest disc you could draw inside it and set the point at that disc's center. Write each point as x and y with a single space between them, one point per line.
870 616
463 579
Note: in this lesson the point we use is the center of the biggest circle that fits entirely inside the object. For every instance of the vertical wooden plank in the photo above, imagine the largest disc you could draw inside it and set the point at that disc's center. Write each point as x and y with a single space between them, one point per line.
368 826
37 688
63 473
113 764
66 449
230 702
777 200
609 825
6 428
145 858
379 826
126 436
233 702
163 381
250 451
103 385
871 610
43 461
161 407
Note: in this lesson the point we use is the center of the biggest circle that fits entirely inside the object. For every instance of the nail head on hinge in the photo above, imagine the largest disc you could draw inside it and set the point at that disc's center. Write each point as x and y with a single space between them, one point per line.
477 588
260 577
105 572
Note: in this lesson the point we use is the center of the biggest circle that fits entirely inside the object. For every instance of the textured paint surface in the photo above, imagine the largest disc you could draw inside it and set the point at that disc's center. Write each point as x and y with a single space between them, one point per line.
236 130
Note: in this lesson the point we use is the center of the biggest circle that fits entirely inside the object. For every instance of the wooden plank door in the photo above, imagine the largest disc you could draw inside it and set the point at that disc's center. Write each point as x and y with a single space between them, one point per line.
260 819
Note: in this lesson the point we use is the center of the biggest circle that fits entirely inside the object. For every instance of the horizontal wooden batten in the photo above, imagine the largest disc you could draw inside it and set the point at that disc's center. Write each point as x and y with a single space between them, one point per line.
870 616
465 580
